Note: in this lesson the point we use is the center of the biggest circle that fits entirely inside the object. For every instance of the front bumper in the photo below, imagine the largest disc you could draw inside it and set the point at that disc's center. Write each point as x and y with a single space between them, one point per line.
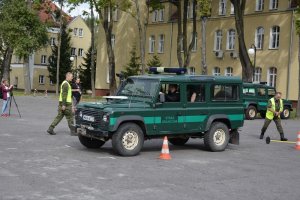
91 132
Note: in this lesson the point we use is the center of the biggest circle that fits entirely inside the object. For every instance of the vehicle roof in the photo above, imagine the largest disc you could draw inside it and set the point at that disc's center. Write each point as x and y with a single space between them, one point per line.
190 78
257 85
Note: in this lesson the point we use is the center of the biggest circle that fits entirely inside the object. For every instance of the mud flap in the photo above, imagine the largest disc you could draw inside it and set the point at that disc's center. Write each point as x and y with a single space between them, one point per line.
234 137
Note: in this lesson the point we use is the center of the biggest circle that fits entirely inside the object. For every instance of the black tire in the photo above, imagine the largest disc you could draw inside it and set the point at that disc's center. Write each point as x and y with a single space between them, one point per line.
263 114
210 138
251 113
286 113
90 143
178 141
121 145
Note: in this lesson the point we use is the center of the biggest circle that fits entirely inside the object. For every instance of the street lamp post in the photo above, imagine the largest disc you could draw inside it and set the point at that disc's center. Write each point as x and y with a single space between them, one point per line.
252 51
72 58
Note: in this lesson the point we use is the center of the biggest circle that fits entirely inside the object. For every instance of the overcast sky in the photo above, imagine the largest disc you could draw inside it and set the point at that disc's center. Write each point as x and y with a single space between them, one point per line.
78 10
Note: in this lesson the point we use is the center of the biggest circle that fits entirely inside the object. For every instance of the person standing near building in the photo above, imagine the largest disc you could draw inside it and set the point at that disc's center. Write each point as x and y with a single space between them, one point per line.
65 106
275 108
6 97
76 92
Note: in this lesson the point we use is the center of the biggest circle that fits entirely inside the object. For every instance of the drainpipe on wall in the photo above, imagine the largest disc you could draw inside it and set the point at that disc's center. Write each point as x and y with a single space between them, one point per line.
290 55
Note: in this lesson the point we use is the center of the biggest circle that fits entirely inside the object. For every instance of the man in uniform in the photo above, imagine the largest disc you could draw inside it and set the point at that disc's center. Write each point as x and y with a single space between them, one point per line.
275 108
65 106
173 95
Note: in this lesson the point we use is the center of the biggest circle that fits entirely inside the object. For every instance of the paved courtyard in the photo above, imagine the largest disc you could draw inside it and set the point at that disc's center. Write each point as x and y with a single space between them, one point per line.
36 166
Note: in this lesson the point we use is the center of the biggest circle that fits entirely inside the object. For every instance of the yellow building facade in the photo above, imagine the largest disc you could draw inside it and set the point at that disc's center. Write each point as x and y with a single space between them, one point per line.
38 62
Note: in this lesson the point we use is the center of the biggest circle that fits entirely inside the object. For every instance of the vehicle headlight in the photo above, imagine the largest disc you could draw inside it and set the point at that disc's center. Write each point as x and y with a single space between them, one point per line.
105 118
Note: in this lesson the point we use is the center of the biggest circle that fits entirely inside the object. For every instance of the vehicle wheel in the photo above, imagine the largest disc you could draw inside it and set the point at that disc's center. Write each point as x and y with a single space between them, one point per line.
217 137
128 140
90 142
251 113
286 113
178 141
263 114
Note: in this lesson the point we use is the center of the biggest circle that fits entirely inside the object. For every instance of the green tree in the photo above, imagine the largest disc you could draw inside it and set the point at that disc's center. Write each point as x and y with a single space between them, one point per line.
134 65
65 62
85 71
154 62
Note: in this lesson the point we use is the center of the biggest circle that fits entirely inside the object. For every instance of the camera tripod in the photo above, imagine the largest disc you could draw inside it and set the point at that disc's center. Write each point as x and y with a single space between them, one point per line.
13 99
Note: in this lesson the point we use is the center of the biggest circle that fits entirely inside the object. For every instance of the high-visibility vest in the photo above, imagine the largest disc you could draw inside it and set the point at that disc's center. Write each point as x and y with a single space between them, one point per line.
270 115
69 97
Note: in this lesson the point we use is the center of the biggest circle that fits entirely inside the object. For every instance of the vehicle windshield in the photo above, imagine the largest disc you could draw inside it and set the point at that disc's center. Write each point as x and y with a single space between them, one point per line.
139 88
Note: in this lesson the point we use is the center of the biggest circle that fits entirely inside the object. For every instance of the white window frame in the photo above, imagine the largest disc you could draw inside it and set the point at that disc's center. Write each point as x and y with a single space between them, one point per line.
80 52
73 51
195 47
222 7
161 43
52 41
218 40
259 37
113 41
190 10
232 9
216 71
259 5
80 32
152 44
229 71
272 76
75 30
161 15
43 59
155 16
274 37
257 75
230 45
273 4
41 79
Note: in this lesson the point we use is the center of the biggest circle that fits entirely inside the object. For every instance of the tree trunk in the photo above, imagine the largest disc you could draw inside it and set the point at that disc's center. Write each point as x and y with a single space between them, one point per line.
184 31
239 8
58 48
6 63
27 81
93 51
203 48
179 34
298 103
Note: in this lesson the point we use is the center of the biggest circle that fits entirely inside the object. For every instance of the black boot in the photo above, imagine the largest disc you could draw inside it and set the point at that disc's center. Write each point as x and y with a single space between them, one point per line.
261 136
51 131
282 138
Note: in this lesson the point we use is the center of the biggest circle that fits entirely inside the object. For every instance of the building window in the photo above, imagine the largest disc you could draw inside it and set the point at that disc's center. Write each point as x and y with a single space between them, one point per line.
257 75
75 30
230 39
216 71
218 40
190 9
273 4
80 52
18 59
155 16
52 41
73 51
259 5
195 42
232 9
80 33
51 82
161 15
222 7
259 37
293 3
43 59
161 43
274 39
116 15
113 41
151 44
41 79
272 76
229 71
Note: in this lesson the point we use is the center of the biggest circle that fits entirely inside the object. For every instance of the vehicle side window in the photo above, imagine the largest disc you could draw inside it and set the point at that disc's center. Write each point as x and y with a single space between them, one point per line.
171 91
261 92
225 93
271 92
249 91
196 93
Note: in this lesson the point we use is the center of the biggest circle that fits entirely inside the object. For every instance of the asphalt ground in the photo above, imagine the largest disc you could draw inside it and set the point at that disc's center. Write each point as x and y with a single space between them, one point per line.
35 165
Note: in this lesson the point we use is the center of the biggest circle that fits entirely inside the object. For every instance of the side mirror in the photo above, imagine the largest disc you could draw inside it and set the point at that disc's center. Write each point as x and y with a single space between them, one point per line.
162 98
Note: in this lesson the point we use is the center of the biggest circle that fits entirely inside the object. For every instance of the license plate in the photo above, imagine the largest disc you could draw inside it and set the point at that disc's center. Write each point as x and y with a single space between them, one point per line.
88 118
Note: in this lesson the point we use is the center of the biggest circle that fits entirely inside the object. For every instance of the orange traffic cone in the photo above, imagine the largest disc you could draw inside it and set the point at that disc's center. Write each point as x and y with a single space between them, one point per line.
297 147
165 153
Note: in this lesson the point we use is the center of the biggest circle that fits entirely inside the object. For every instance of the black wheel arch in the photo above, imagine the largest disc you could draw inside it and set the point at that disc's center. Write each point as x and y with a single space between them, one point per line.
130 118
218 118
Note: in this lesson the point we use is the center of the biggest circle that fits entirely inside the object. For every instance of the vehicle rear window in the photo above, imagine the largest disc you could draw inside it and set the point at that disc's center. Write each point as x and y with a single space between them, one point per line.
225 93
249 91
271 92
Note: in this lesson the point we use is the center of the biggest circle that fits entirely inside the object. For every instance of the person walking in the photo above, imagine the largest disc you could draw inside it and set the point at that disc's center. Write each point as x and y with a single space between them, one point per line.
6 97
275 108
65 106
76 92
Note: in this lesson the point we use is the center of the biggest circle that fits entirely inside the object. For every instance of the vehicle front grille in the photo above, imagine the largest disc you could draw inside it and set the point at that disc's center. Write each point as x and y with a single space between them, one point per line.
97 114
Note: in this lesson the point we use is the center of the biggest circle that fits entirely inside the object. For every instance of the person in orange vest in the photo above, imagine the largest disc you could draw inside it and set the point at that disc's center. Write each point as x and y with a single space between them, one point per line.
275 108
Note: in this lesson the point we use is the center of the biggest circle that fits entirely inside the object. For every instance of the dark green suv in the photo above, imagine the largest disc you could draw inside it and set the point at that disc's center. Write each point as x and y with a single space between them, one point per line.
148 107
256 97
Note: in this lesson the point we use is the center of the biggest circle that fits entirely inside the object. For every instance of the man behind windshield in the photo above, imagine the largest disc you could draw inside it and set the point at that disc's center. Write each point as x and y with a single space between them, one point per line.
173 95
